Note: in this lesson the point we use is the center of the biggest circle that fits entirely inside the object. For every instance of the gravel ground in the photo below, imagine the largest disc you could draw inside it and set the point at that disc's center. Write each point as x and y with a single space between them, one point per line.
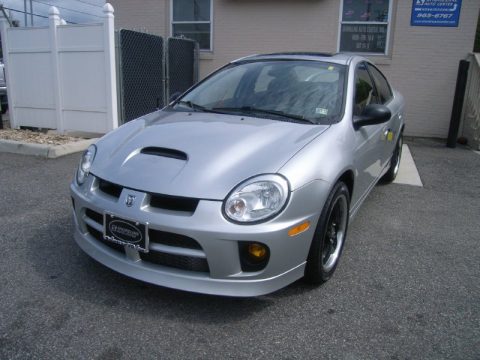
407 286
36 137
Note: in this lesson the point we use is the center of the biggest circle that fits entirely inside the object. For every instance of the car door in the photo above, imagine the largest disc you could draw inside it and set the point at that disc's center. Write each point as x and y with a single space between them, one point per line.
391 128
369 148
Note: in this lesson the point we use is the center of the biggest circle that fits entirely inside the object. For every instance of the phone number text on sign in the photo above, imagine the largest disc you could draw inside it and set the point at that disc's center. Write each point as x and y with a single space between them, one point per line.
436 12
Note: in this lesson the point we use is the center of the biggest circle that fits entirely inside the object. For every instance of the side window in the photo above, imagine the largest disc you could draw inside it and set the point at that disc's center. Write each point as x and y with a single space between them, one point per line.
383 88
364 90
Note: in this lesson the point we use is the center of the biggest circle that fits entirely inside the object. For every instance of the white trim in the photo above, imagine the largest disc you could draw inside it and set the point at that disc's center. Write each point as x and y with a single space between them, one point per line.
390 12
172 22
367 22
190 22
388 23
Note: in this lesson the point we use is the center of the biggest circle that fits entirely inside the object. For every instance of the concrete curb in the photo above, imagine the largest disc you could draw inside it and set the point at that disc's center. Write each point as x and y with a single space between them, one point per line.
43 150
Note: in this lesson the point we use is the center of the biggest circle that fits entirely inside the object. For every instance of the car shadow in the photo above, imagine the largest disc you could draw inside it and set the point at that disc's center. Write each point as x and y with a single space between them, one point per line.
67 269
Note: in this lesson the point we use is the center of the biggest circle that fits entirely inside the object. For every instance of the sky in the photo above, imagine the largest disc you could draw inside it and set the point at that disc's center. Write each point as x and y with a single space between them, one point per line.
73 11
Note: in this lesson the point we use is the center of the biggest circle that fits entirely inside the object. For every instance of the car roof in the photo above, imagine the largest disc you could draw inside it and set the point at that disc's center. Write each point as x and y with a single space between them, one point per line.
337 58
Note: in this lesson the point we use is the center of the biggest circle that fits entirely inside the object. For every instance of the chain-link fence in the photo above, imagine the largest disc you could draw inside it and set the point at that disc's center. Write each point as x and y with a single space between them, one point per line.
182 64
148 72
141 74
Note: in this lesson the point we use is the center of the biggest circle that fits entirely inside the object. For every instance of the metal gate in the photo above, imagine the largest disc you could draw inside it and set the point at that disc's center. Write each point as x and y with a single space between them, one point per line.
143 63
182 68
141 74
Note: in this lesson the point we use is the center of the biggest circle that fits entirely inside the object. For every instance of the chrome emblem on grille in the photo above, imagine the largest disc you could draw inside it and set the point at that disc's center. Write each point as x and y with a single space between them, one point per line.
130 200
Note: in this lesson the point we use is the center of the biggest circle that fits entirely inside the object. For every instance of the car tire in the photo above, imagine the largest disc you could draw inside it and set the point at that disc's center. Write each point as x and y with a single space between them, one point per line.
392 171
329 237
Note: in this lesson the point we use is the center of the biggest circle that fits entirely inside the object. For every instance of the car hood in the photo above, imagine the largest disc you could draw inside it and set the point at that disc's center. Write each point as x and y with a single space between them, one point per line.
220 152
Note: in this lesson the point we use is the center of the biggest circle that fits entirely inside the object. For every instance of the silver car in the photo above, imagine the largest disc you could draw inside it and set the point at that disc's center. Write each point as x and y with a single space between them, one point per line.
247 181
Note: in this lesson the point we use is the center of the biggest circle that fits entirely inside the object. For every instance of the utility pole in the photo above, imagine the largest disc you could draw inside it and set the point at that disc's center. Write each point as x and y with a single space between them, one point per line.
31 13
25 12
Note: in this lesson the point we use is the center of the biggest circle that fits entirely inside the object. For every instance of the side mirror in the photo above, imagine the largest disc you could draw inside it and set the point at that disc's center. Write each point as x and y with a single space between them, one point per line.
372 114
174 96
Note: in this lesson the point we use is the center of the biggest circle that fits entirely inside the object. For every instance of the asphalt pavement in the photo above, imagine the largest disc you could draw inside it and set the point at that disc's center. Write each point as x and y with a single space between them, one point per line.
407 287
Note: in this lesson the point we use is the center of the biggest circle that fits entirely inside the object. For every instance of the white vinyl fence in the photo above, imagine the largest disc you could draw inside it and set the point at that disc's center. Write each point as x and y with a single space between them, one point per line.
62 76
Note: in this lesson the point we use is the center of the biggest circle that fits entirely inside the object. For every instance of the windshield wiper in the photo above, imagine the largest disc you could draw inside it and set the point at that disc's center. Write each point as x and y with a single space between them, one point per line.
192 105
196 107
250 109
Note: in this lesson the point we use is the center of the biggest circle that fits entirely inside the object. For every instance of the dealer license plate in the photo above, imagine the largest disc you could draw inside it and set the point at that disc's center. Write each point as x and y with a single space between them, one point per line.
126 232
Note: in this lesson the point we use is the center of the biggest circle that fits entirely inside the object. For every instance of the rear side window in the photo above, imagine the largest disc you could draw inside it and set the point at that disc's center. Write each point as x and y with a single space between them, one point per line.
364 90
383 88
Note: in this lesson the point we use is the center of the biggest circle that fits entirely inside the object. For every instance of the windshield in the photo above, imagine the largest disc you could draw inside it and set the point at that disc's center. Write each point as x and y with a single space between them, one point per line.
304 91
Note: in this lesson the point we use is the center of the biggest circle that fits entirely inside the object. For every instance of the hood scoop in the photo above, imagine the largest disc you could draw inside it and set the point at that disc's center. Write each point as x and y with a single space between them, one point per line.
164 152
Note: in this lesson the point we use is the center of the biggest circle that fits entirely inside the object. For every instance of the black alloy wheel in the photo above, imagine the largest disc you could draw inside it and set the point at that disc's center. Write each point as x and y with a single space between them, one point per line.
329 236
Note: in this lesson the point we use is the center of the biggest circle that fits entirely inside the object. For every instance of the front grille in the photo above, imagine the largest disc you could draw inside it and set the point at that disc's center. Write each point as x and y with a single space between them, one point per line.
175 203
99 236
95 216
188 263
109 188
158 201
171 239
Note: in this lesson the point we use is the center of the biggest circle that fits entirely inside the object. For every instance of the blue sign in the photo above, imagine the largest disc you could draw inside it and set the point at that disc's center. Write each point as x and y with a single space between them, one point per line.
435 12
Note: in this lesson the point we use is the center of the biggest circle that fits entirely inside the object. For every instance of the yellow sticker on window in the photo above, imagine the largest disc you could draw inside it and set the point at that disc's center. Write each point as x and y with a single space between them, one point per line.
390 136
331 68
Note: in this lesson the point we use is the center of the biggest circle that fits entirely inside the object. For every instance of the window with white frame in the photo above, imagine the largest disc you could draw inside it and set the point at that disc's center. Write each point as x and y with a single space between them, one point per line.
365 26
193 20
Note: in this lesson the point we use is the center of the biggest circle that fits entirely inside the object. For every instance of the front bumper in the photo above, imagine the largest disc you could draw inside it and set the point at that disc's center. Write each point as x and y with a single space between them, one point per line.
217 237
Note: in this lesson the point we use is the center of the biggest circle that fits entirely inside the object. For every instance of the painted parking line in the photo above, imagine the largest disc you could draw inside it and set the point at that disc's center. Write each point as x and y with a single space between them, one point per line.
408 173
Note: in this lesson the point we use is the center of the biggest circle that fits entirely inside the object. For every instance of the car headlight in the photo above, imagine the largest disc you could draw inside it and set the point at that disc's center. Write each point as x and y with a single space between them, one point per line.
257 199
85 164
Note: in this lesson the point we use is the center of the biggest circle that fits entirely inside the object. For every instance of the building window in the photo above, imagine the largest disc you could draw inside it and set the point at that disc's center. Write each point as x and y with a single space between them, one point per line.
193 20
365 26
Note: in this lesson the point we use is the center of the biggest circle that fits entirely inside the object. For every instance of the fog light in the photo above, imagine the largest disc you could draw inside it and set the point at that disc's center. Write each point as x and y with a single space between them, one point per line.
254 256
257 251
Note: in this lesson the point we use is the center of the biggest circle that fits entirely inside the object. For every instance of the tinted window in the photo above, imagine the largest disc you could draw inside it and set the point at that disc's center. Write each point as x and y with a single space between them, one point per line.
364 90
383 89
